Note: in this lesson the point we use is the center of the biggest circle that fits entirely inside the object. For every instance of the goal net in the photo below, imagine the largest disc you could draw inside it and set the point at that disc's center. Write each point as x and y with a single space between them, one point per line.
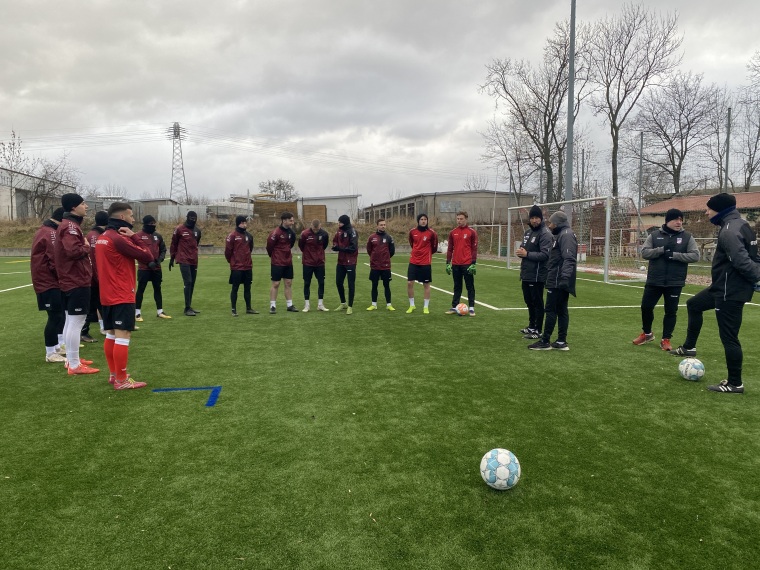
609 239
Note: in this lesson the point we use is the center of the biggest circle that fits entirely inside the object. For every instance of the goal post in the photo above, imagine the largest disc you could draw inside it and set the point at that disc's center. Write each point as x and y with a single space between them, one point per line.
609 242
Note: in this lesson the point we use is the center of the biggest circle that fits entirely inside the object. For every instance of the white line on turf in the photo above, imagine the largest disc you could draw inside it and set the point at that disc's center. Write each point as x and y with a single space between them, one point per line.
15 273
14 288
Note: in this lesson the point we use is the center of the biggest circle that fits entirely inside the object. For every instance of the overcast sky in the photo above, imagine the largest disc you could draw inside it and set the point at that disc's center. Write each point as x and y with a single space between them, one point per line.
340 96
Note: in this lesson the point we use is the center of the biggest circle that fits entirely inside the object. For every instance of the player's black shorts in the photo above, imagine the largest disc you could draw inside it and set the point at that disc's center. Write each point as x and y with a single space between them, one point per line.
280 272
121 317
50 300
78 301
238 276
377 274
318 272
419 273
149 276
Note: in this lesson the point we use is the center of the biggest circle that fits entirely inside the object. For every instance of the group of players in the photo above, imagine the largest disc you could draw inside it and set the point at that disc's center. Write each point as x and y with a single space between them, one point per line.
549 261
80 279
76 275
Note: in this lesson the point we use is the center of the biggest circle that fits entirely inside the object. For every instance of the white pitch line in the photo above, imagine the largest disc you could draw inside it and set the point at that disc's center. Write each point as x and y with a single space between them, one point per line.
487 306
15 273
13 288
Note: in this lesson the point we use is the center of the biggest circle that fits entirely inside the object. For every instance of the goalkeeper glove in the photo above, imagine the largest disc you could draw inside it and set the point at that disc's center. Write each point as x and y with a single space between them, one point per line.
152 265
472 269
448 269
563 285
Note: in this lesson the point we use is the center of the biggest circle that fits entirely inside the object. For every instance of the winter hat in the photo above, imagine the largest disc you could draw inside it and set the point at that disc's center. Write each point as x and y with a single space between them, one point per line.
101 218
721 202
149 220
71 201
558 218
535 212
57 214
240 219
673 214
192 214
345 220
419 216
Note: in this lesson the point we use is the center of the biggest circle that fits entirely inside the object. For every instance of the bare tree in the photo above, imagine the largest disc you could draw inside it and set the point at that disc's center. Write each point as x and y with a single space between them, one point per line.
676 121
753 67
54 178
17 163
475 183
535 97
508 146
748 125
628 54
200 199
281 190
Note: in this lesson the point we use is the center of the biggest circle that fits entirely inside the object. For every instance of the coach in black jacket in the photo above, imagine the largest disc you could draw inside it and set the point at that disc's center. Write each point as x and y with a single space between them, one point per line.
534 252
735 270
560 283
669 250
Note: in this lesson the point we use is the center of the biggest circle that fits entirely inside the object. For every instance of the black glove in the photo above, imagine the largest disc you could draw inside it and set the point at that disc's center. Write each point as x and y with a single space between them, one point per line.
668 253
563 285
171 263
335 248
153 265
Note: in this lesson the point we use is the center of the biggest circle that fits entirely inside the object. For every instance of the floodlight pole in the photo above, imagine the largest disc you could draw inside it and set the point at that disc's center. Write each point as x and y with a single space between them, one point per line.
570 113
728 147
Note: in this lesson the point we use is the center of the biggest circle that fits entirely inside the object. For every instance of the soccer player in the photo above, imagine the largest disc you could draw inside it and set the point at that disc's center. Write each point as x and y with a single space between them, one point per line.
46 286
380 247
237 251
735 276
117 250
101 219
424 243
150 272
184 249
313 243
534 252
669 250
74 269
346 243
560 283
279 245
461 257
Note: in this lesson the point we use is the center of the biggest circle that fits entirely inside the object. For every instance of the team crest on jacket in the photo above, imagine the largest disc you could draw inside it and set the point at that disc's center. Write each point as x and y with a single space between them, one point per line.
424 238
533 239
679 240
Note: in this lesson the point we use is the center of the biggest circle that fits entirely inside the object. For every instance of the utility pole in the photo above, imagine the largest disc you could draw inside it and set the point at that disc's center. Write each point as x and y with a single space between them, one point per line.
570 114
178 184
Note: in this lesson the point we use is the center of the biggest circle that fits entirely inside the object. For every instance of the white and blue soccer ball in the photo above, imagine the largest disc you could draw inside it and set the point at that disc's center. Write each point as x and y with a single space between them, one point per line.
691 369
500 469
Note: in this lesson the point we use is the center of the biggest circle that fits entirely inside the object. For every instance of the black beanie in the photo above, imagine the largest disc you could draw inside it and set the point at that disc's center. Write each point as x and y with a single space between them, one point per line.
535 212
193 214
101 218
673 214
149 220
57 214
345 220
240 219
721 202
70 201
420 216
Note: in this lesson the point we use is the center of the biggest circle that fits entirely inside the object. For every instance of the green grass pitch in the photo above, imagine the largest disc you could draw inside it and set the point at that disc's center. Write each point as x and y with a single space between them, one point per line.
355 441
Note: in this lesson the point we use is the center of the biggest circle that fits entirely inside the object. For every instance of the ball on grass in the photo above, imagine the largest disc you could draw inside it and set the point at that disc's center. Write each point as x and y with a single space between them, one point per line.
500 469
691 369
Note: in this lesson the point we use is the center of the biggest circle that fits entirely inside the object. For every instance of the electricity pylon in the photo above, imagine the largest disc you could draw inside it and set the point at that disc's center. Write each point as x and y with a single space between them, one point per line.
179 186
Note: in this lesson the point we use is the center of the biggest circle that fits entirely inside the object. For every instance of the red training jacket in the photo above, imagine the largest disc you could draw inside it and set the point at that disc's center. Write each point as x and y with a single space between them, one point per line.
115 257
424 245
184 247
72 255
313 246
463 246
347 240
44 276
155 244
279 244
92 238
380 247
238 251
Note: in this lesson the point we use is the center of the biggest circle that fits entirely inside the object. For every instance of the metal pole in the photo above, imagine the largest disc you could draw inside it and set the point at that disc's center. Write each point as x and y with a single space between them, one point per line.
607 222
570 114
728 148
641 188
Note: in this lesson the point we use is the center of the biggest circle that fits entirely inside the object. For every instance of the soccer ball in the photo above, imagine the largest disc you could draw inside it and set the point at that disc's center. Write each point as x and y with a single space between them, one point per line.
691 369
462 309
500 469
